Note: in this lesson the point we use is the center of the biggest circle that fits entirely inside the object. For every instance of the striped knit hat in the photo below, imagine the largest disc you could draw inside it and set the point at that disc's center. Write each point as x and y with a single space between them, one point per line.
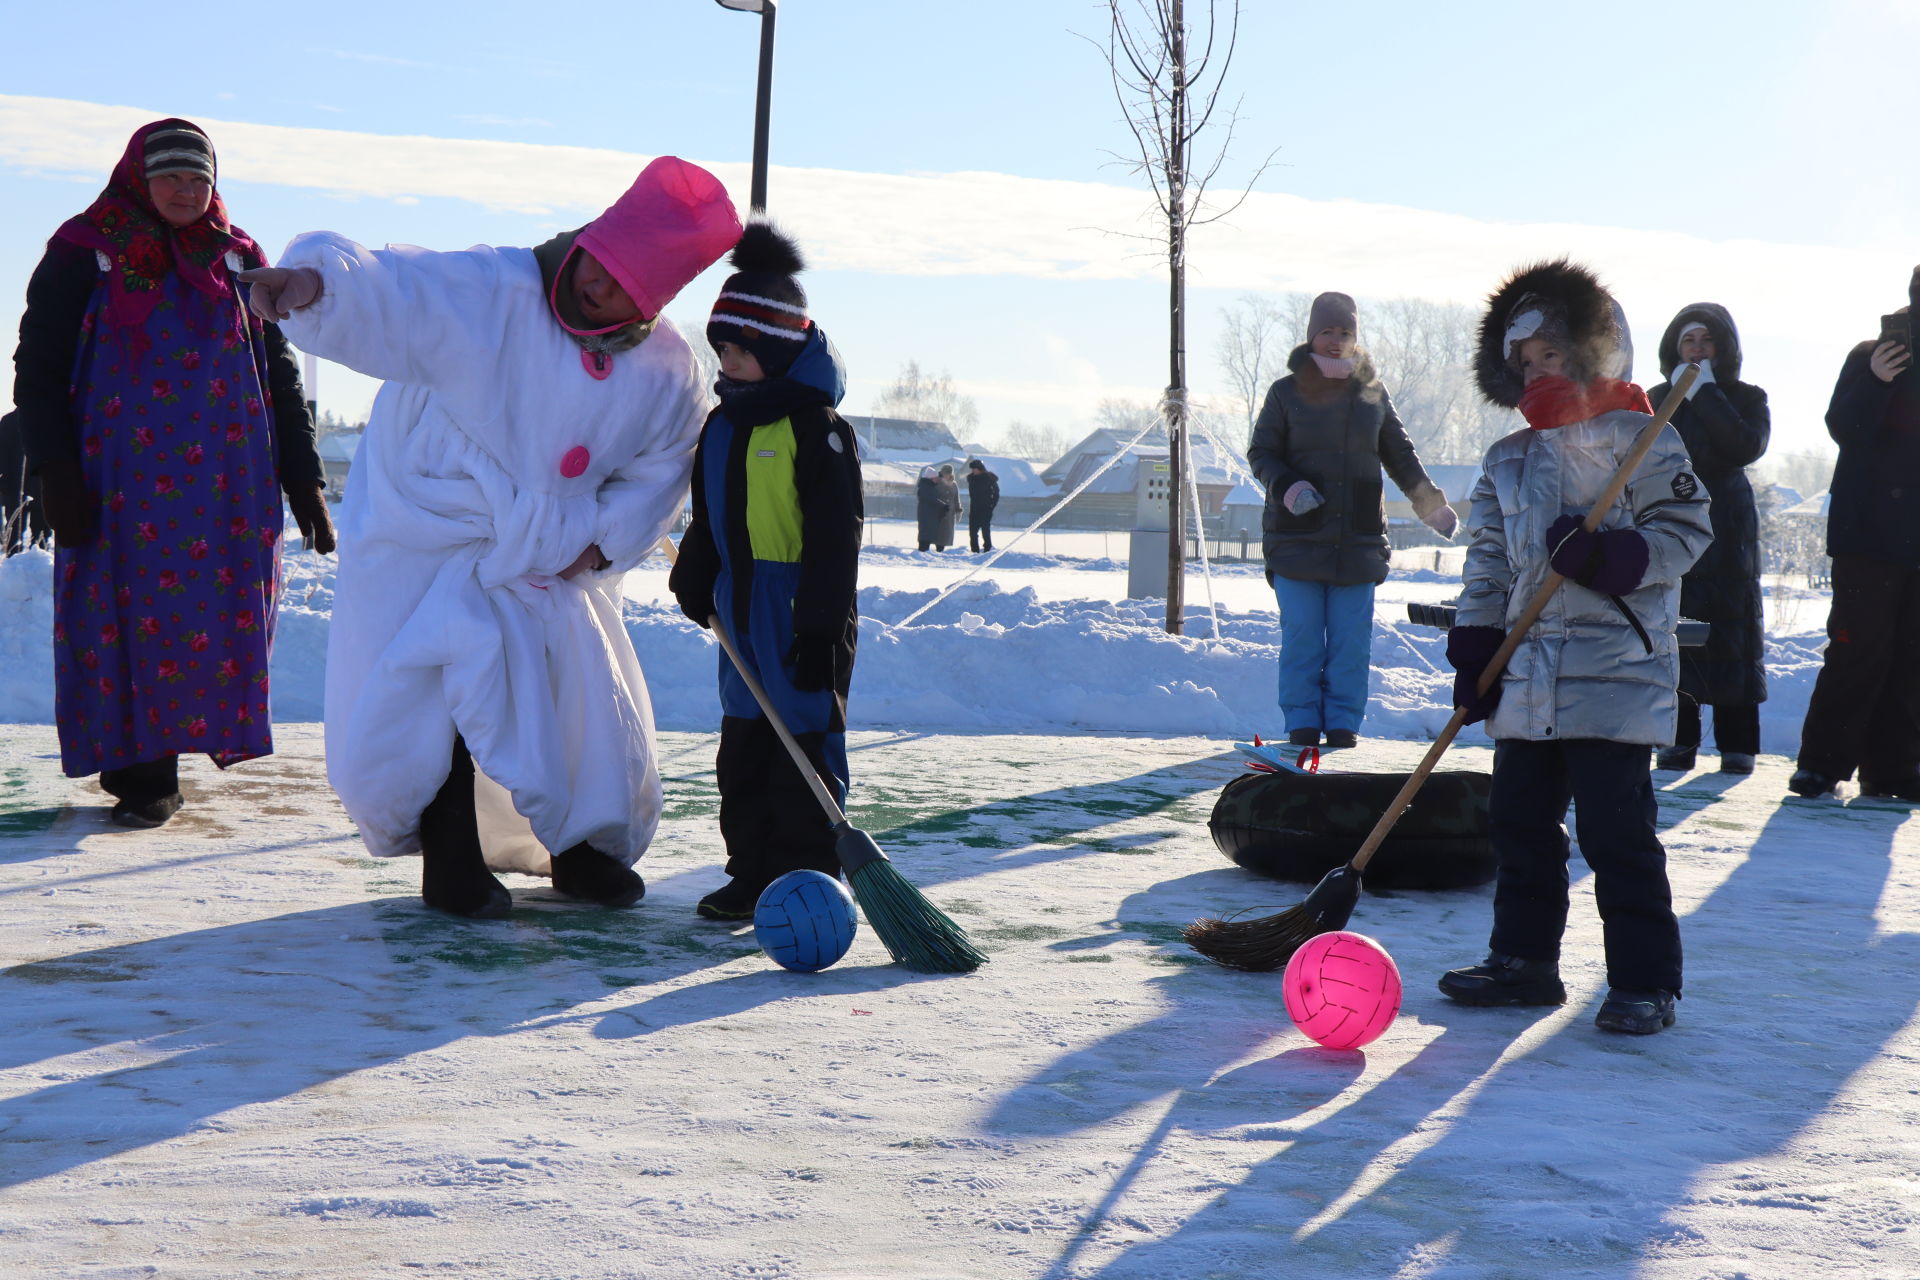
762 307
180 149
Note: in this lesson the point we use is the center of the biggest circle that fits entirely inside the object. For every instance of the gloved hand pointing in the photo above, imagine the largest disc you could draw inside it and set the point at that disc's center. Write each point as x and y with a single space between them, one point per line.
278 292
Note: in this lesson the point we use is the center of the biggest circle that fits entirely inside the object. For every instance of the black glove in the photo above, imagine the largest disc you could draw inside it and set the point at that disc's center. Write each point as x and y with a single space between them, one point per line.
699 607
1470 649
815 661
70 509
1610 561
309 507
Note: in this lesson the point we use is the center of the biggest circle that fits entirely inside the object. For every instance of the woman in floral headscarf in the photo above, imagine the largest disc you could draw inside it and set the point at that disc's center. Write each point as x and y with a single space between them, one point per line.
163 420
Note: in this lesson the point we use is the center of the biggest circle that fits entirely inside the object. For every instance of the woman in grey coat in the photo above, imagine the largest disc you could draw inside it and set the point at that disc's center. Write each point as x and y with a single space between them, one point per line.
1326 430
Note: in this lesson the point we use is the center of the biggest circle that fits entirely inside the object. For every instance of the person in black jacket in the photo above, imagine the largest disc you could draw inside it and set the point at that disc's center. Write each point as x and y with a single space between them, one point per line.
983 495
1725 424
1865 710
774 550
930 510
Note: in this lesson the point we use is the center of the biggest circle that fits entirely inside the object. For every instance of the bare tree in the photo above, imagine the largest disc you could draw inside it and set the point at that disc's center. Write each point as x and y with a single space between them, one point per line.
1168 79
1258 333
1038 442
924 397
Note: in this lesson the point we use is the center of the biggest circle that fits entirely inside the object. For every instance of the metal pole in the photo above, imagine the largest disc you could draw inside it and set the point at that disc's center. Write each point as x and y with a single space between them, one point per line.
763 108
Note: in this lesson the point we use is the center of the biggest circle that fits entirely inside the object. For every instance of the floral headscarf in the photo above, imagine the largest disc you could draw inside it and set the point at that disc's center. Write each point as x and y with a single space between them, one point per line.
124 224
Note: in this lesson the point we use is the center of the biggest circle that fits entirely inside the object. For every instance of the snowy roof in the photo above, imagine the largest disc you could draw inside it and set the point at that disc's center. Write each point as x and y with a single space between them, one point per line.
879 473
1017 476
1245 494
341 446
1814 506
1211 467
882 437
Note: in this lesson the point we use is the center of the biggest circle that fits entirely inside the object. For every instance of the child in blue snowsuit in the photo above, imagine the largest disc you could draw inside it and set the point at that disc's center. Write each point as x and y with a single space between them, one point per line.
774 550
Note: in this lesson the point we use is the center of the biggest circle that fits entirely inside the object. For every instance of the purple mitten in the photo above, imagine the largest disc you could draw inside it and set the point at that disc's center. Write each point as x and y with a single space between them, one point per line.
1610 561
1470 649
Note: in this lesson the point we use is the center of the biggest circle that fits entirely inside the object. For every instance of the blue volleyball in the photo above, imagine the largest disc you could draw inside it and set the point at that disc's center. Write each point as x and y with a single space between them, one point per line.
805 921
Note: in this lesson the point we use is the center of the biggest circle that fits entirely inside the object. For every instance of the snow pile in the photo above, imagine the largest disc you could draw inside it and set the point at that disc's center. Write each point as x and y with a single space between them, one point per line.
991 657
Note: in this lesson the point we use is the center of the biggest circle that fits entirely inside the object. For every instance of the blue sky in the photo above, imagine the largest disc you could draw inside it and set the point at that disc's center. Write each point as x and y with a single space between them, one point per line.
949 164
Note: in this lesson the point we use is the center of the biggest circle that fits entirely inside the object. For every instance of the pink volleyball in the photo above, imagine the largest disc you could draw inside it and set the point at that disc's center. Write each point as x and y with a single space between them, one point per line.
1342 989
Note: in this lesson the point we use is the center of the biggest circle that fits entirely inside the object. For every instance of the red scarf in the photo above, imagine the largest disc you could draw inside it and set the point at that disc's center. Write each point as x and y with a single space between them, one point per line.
1554 402
123 223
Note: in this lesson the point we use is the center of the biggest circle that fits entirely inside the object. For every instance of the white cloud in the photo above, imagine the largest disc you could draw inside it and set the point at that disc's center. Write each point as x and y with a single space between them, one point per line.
1799 305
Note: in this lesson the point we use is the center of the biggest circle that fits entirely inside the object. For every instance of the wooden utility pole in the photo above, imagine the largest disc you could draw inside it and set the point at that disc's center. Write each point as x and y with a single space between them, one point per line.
1176 401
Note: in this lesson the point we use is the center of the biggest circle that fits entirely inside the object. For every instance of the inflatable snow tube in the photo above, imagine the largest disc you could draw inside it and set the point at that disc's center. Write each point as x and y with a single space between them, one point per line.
1299 826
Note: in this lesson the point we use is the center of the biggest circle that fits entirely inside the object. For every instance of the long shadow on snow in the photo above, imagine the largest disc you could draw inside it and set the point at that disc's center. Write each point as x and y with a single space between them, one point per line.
252 1012
1573 1157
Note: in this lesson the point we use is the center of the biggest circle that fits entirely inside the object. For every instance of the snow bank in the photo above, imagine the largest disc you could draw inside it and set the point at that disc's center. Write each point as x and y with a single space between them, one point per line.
987 658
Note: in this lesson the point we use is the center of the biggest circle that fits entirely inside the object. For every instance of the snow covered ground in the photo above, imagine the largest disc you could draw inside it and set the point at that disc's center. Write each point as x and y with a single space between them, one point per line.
1040 643
238 1048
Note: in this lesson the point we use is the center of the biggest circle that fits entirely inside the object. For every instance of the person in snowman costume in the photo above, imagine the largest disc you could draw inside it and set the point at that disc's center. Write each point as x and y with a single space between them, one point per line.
533 442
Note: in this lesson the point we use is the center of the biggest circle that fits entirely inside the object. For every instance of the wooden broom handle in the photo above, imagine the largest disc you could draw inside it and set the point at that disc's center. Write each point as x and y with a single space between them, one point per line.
1642 444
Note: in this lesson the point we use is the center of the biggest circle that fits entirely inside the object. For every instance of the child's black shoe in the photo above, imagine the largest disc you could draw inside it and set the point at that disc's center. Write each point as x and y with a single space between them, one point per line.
1342 739
1637 1013
1505 980
733 900
1303 737
1814 786
1676 759
585 872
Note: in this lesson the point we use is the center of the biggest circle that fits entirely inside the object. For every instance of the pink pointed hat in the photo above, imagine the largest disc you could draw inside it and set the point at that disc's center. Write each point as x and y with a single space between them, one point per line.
673 223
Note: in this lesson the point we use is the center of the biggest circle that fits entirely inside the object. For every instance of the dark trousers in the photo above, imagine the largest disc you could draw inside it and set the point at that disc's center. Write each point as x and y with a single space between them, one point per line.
979 531
1614 811
1865 710
1736 726
143 783
769 818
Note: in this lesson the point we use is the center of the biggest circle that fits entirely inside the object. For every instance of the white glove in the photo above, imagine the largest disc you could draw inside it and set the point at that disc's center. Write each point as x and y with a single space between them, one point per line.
278 292
1442 521
1706 376
1301 497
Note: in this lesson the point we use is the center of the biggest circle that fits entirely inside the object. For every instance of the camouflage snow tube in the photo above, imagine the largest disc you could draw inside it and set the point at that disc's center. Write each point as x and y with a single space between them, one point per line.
1295 826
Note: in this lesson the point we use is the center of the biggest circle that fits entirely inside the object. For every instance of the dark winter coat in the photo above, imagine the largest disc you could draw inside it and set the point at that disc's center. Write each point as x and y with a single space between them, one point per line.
774 543
1335 433
1725 427
933 510
1874 501
949 494
57 297
983 494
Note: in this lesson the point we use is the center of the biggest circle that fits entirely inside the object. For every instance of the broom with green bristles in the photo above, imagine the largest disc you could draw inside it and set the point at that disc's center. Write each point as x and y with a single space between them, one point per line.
1269 942
916 933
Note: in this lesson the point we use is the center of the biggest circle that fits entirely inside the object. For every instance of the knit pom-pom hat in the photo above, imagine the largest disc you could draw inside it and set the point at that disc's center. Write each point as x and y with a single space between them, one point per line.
762 307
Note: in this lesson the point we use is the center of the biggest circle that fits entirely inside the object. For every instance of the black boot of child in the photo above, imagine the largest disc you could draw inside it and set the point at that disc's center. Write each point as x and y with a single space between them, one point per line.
453 874
1505 980
734 900
1638 1013
585 872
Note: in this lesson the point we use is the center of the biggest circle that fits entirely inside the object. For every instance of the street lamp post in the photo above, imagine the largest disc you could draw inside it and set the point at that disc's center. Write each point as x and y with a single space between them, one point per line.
763 102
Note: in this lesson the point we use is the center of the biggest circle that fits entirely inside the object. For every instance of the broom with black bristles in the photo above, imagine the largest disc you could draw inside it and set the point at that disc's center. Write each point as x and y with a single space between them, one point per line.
916 933
1269 942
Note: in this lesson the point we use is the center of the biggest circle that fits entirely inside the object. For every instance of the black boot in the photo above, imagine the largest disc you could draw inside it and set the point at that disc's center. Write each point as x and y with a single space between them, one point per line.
453 874
1505 980
1303 737
1814 786
585 872
734 900
1638 1013
147 793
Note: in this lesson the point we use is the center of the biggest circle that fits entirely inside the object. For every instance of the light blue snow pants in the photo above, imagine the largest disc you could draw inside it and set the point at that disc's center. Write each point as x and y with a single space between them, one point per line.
1326 639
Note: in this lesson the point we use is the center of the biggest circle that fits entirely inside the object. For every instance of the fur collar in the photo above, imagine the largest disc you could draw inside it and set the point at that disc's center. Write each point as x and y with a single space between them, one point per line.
1596 328
1317 388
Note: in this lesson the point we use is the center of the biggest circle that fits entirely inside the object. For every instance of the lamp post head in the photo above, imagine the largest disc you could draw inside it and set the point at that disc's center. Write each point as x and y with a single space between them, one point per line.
746 6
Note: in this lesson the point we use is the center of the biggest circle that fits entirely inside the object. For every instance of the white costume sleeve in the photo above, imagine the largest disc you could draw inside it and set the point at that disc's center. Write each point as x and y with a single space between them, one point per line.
401 314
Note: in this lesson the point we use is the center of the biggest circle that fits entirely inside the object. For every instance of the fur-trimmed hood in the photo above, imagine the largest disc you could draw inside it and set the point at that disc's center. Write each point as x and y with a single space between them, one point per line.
1726 340
1600 345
